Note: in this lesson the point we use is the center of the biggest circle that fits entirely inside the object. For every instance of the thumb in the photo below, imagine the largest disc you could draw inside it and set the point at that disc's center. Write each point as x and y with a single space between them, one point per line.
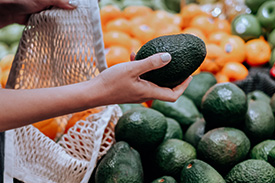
153 62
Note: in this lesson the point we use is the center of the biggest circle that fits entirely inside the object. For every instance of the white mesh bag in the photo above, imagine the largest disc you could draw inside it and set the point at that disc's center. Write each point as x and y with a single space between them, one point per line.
59 47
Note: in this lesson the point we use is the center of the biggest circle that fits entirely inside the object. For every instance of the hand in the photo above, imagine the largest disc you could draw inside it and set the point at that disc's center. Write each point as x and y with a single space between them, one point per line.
19 11
122 84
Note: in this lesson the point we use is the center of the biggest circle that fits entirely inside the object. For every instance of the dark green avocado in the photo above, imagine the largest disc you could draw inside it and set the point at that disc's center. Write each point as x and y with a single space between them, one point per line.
187 51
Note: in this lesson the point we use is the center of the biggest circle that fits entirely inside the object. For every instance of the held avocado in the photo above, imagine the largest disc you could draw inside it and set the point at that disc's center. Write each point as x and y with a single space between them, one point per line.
187 51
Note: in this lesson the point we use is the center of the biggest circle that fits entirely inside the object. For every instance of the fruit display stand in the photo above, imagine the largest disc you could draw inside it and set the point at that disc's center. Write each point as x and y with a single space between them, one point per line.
59 47
239 61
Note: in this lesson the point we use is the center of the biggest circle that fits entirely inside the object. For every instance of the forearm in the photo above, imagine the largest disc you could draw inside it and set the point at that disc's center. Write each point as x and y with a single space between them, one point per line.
22 107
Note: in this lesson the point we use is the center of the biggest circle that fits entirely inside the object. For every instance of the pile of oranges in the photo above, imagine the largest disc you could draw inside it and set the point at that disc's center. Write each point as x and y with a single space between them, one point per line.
5 66
125 31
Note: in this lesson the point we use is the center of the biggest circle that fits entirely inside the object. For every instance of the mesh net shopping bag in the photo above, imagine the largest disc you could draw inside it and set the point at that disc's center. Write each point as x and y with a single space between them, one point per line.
59 47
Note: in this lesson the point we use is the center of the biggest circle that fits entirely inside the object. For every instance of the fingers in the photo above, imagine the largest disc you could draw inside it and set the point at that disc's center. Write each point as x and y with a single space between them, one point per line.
132 56
153 62
65 4
170 95
182 87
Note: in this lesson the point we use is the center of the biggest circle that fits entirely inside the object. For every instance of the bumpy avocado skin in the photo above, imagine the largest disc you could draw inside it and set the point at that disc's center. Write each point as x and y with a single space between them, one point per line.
187 51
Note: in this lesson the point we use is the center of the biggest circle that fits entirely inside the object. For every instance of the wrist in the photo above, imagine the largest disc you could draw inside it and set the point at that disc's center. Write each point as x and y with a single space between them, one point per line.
95 94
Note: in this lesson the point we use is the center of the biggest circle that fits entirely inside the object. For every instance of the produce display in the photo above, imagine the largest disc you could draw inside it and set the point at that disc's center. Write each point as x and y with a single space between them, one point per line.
215 132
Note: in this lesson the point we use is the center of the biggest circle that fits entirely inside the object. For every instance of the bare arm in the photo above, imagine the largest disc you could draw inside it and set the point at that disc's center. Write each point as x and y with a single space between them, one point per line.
115 85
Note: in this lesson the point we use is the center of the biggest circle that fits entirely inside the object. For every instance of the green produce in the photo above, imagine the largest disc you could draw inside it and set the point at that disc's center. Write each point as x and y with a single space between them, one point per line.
4 49
266 15
183 110
174 130
195 132
259 121
254 5
120 164
143 128
198 86
165 179
173 5
103 3
11 33
196 170
187 51
171 155
13 47
272 103
271 38
262 149
247 26
272 58
271 156
258 95
127 107
224 104
223 147
126 3
166 6
251 171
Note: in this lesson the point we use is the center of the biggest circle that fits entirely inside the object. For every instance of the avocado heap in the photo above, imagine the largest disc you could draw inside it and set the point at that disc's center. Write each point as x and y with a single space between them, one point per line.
187 51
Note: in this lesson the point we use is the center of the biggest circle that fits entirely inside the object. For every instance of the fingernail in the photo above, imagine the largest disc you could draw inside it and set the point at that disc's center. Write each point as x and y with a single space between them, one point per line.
73 3
165 57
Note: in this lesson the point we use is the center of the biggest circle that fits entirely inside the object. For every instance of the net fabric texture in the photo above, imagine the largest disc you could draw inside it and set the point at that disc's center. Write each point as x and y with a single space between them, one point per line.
59 47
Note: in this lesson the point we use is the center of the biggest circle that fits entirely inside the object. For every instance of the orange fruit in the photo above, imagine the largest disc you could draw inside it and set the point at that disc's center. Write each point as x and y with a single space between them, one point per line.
222 25
118 38
177 20
235 71
143 33
109 12
221 78
4 77
79 116
140 20
195 31
6 62
135 45
234 48
159 19
168 30
188 12
217 37
116 54
258 52
133 11
203 22
49 127
213 54
120 24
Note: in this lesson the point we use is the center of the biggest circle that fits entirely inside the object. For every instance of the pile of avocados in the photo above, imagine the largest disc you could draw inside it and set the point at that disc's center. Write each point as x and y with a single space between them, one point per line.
213 133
